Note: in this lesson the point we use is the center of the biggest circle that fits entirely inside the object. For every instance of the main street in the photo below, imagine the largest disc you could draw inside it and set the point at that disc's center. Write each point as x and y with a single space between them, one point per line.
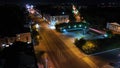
60 54
63 53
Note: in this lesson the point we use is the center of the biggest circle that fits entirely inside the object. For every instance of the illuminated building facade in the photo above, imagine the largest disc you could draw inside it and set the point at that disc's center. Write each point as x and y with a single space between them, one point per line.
114 27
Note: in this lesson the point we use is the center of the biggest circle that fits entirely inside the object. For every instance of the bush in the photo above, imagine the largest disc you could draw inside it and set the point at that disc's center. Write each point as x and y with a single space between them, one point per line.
79 43
98 45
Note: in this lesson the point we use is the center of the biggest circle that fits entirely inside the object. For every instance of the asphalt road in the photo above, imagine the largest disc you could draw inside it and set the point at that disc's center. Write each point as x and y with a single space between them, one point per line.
61 55
58 51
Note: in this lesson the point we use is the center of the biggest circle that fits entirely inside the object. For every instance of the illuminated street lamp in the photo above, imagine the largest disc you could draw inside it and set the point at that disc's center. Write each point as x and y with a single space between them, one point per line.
37 26
31 6
27 6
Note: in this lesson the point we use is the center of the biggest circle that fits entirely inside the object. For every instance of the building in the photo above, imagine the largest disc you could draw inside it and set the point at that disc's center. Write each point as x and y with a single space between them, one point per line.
56 19
114 27
23 37
59 19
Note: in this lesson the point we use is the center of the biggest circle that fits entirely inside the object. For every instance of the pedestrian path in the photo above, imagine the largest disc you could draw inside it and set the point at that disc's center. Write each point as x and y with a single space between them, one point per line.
48 61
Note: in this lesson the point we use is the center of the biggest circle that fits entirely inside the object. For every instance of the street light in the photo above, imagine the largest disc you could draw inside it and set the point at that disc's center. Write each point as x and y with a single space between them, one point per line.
37 26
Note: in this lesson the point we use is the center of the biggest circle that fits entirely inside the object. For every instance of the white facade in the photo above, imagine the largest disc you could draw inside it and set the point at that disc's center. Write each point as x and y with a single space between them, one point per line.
59 19
114 26
56 19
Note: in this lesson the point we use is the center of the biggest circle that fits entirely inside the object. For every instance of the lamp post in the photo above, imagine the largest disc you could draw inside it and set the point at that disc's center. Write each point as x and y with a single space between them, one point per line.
32 42
31 32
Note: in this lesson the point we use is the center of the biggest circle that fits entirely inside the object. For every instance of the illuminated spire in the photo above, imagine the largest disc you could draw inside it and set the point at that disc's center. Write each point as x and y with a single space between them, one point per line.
76 14
75 11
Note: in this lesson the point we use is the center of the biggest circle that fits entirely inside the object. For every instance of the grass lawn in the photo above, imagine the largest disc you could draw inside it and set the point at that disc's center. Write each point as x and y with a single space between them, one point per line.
99 45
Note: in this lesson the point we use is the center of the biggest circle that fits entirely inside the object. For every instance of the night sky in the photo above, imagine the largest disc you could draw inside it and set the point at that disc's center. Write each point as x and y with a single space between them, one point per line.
12 20
59 1
12 16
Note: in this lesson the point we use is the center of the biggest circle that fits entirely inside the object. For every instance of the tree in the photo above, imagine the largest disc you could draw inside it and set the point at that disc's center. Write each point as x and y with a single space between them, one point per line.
79 43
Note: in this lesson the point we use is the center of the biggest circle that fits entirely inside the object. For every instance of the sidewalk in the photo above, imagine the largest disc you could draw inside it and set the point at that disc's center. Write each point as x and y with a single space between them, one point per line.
45 59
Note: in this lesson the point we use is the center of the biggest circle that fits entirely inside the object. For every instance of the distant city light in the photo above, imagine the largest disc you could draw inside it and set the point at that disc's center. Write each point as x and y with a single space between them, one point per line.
7 45
105 35
27 6
63 12
31 6
3 45
64 30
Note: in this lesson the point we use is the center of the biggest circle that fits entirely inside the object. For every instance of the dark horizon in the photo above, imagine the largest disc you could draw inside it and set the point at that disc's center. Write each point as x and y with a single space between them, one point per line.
80 2
12 20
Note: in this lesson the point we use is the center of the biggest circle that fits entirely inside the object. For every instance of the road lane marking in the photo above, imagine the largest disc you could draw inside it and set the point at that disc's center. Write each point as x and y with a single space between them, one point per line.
105 51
